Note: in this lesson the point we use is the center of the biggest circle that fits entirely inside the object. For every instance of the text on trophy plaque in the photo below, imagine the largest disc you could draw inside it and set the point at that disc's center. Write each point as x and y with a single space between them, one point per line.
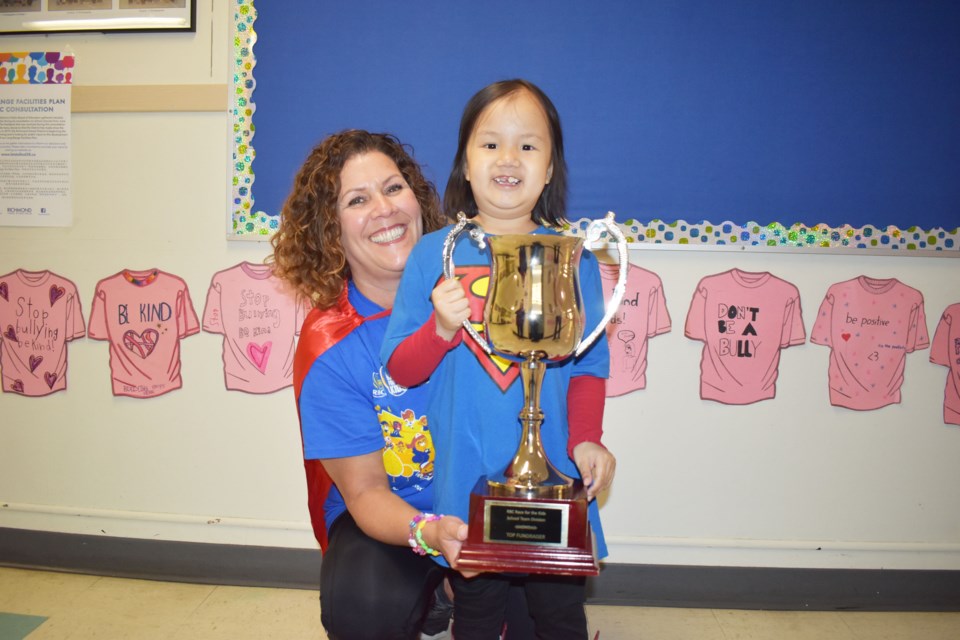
526 522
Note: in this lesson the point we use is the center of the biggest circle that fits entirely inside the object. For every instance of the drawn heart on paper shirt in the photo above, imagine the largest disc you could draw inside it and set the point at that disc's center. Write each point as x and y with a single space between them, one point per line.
50 379
845 336
56 292
141 344
10 334
259 354
35 362
17 386
4 291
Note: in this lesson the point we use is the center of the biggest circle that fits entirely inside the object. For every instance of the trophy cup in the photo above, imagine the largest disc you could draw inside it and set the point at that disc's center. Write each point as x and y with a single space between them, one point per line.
532 518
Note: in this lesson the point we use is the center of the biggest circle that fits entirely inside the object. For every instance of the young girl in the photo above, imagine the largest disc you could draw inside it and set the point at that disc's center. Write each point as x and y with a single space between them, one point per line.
509 176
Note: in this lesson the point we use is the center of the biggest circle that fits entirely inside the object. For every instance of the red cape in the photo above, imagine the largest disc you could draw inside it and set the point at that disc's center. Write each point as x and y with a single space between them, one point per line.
321 329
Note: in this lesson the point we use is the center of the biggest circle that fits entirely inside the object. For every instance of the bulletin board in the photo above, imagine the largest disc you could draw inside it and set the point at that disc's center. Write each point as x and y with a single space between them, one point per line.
743 124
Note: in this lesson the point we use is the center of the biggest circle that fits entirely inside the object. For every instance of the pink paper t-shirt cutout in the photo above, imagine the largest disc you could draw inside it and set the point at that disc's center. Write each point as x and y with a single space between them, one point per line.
945 351
642 315
870 326
144 315
39 313
260 321
744 320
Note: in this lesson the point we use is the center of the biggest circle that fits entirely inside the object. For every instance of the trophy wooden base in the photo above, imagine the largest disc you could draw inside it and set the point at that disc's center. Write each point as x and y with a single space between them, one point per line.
517 534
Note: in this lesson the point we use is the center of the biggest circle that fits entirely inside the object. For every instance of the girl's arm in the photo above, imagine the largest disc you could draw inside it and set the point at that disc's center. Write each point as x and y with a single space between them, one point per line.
383 515
587 391
586 396
416 357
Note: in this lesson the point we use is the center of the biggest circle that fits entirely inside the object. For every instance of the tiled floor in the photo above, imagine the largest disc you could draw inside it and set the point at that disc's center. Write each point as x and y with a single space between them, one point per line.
80 607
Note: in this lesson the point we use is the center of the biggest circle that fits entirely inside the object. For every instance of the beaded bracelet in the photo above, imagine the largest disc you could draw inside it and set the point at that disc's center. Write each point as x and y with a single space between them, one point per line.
416 534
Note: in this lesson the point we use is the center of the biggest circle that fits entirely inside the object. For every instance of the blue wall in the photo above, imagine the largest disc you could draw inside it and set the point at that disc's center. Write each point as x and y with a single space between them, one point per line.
816 111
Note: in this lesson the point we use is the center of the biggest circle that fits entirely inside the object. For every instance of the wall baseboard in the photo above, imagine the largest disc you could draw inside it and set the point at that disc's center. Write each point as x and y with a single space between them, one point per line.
618 584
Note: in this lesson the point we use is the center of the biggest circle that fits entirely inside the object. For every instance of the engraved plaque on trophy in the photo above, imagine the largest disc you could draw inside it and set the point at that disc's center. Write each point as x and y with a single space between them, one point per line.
532 518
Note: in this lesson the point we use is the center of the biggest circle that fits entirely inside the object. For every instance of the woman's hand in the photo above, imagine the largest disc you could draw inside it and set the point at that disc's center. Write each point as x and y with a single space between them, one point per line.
446 535
451 307
597 467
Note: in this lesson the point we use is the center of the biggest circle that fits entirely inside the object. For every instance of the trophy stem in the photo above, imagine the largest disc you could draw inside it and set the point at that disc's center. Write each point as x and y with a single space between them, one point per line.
530 473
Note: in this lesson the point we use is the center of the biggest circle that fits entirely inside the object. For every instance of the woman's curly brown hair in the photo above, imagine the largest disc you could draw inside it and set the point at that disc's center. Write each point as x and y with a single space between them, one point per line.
307 251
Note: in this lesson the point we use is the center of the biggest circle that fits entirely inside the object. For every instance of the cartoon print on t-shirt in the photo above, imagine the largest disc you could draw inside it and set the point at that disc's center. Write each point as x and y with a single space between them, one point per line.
408 447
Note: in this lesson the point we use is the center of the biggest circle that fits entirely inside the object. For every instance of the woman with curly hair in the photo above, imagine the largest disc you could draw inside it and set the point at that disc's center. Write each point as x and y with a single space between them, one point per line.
359 204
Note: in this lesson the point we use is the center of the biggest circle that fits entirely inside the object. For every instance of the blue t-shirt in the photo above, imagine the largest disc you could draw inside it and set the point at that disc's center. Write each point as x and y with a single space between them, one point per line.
475 399
349 406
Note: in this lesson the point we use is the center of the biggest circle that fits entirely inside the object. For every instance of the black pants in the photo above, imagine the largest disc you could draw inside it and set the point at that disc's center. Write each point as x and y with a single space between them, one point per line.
371 590
555 604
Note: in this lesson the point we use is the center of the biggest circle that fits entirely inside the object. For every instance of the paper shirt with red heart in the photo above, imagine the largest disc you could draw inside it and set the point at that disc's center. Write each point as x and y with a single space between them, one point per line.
144 315
260 320
39 313
870 326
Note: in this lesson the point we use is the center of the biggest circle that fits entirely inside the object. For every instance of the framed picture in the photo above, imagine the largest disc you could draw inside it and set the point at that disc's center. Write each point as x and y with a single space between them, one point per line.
63 16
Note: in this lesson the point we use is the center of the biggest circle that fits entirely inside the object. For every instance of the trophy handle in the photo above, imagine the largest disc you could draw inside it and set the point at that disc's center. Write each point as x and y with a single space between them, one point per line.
593 234
475 232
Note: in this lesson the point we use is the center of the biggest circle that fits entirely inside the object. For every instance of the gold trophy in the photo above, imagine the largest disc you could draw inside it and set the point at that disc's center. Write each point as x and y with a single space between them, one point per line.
533 518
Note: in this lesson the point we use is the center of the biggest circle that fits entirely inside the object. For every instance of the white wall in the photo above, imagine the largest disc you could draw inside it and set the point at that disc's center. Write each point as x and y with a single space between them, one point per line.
791 481
787 482
150 190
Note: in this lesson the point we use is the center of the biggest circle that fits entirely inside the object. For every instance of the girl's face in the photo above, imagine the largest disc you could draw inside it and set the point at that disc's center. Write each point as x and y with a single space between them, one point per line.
380 218
508 162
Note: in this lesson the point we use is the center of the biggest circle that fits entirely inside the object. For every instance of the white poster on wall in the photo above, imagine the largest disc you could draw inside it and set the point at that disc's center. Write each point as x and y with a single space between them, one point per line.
35 172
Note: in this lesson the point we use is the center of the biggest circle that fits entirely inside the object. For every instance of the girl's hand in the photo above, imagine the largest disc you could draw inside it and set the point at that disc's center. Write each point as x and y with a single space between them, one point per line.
597 467
451 307
446 535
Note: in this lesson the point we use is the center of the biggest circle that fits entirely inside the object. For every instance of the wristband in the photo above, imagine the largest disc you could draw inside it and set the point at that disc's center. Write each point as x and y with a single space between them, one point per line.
415 540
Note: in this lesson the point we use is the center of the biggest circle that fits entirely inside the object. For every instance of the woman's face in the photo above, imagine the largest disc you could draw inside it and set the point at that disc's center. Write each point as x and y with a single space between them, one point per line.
380 218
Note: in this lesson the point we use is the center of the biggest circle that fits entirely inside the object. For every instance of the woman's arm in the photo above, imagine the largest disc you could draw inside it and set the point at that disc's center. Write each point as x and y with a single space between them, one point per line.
383 515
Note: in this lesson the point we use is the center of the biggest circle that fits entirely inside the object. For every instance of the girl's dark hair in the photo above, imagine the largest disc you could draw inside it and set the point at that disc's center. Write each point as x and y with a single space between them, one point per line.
551 207
307 248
